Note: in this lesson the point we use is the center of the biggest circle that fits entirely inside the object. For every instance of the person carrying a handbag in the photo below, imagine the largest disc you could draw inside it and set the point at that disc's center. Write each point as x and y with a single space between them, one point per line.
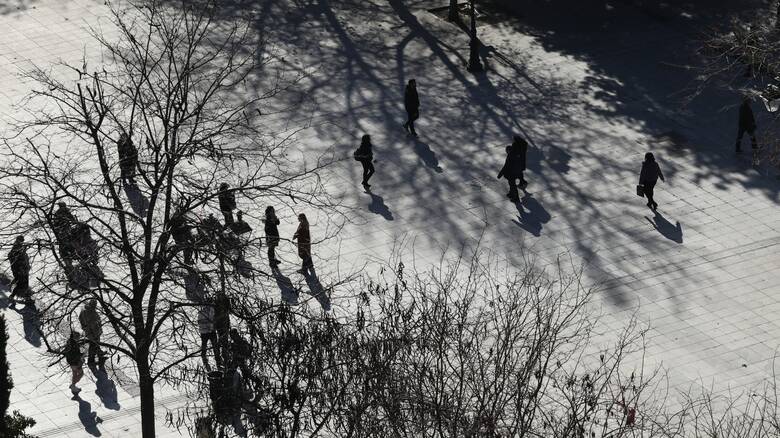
648 177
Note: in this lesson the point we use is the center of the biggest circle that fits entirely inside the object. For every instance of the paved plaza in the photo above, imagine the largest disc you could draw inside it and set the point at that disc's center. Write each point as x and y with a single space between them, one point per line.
591 98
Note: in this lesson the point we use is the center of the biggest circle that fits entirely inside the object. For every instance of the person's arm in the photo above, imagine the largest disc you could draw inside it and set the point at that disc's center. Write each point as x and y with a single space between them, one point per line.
660 175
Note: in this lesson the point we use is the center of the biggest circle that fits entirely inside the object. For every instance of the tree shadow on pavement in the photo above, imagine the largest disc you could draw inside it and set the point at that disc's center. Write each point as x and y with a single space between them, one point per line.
669 230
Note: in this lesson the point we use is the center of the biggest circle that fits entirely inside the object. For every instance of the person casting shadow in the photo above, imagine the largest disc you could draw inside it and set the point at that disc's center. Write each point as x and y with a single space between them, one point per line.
514 166
271 235
747 124
285 285
365 155
303 238
412 105
648 177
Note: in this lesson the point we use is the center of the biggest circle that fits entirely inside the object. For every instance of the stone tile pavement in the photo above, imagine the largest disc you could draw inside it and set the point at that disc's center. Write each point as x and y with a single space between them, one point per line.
704 273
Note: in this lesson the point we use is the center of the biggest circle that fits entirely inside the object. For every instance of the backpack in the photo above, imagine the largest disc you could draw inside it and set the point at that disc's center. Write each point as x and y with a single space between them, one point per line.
357 155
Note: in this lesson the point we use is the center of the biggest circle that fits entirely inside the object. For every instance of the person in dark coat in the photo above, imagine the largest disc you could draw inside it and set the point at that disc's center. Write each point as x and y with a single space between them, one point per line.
222 325
72 355
514 165
20 268
304 244
412 105
63 223
648 177
747 124
128 156
89 318
365 155
241 352
227 202
181 231
271 234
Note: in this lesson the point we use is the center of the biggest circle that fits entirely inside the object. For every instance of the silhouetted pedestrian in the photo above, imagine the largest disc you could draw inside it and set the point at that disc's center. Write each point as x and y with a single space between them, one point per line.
93 329
412 105
73 356
222 325
20 269
241 352
181 231
63 222
648 177
747 124
514 165
128 156
304 244
365 155
208 334
227 202
271 234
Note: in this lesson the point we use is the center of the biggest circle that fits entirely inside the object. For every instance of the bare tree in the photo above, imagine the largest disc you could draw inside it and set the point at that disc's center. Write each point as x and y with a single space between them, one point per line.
135 146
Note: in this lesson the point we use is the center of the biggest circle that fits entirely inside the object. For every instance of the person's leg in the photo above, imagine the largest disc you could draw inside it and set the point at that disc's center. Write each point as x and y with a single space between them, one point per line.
753 142
408 121
365 172
649 193
370 172
412 117
513 195
228 216
271 252
740 134
91 351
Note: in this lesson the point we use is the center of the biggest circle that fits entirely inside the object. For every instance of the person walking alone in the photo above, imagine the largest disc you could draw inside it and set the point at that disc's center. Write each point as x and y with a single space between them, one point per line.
648 177
93 329
20 269
514 165
72 355
365 155
208 334
412 105
304 244
747 124
128 156
227 202
271 234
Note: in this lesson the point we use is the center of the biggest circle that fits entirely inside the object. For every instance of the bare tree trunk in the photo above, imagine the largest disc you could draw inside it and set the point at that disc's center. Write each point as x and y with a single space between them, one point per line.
147 397
453 13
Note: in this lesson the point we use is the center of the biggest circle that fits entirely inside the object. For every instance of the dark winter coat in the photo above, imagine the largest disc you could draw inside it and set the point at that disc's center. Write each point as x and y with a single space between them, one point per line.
271 229
180 229
227 200
747 120
17 256
364 153
62 221
90 323
304 241
514 165
411 100
72 352
650 173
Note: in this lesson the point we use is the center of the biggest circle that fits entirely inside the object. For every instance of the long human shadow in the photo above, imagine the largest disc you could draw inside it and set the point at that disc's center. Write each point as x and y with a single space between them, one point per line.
285 285
88 417
31 322
316 289
671 231
534 218
428 156
378 206
138 201
105 388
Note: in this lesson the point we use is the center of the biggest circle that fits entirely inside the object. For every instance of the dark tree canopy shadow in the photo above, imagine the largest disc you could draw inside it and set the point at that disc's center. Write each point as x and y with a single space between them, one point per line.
534 218
671 231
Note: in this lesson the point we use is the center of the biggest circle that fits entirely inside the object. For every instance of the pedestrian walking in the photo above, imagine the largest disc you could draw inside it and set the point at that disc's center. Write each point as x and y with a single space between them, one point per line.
271 234
72 355
20 269
648 177
222 308
93 329
365 155
304 244
747 124
412 105
128 156
514 166
208 334
227 202
181 231
241 353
